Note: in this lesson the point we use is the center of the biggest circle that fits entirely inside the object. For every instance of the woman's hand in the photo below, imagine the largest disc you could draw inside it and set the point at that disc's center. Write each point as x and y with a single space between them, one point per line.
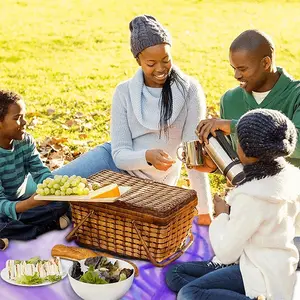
220 206
159 159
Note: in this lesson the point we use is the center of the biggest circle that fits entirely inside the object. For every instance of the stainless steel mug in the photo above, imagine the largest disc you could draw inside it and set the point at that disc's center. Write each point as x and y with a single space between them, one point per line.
193 153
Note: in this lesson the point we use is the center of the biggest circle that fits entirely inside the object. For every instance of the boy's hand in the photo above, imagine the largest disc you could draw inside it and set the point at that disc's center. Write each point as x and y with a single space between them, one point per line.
205 127
159 159
220 206
29 203
36 203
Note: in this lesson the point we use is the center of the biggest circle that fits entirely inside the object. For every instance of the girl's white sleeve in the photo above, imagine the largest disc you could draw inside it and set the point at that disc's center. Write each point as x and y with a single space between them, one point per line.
229 234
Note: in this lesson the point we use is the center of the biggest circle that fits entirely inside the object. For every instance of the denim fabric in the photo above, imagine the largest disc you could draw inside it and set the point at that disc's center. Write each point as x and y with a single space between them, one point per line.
297 243
94 161
206 280
33 222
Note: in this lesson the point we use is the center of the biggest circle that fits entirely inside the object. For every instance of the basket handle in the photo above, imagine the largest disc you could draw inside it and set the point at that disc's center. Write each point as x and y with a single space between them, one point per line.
71 235
169 259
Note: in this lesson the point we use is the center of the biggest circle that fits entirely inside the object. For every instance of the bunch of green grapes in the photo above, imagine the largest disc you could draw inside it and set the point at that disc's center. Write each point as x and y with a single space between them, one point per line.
63 186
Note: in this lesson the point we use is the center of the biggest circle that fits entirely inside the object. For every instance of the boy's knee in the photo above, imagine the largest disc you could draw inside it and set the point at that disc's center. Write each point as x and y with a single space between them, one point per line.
60 207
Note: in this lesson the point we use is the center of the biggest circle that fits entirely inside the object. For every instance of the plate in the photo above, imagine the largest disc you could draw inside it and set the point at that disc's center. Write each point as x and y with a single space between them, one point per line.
65 267
75 198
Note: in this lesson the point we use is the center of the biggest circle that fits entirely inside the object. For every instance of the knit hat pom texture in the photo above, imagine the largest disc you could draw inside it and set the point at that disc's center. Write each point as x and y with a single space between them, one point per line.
266 134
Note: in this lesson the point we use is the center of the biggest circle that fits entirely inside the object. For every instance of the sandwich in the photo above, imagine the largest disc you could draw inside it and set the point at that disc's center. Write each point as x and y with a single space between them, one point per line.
43 269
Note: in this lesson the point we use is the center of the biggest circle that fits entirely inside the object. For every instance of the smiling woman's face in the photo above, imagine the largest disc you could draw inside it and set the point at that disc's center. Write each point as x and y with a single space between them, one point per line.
156 63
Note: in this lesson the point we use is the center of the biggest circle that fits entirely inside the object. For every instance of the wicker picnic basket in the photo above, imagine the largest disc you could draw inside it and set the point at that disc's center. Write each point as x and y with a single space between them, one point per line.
151 221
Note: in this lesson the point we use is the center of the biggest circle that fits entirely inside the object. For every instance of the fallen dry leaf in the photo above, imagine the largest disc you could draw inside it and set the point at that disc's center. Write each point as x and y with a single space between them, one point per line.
50 111
78 115
55 153
83 135
70 123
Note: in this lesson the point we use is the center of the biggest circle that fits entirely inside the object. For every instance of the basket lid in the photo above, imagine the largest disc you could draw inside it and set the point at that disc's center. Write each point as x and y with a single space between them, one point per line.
146 196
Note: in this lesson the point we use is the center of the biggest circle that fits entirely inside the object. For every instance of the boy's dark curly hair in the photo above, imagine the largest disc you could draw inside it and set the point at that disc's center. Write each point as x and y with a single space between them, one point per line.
6 99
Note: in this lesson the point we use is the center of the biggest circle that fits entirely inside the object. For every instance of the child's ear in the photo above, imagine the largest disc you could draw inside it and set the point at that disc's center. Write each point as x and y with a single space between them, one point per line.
138 61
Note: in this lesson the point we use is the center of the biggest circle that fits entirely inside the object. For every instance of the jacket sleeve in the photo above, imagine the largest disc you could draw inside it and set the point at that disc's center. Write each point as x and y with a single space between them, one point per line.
230 233
223 115
7 207
123 154
196 111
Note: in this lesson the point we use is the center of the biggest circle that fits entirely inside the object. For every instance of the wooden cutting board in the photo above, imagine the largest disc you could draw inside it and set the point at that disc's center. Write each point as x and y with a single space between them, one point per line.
123 189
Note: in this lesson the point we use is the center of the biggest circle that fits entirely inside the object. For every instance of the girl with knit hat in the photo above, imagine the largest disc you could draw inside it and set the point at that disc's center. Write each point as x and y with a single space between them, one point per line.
152 114
252 235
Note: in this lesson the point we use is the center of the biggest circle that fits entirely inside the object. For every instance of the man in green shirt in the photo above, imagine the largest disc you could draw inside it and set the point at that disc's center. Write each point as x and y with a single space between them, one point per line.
262 85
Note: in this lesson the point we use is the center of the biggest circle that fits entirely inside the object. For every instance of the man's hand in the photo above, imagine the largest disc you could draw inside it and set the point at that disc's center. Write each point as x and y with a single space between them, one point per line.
159 159
29 203
205 127
220 206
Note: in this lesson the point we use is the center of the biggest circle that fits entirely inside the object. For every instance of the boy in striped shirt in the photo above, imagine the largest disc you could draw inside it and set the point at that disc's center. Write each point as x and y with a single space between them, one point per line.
22 217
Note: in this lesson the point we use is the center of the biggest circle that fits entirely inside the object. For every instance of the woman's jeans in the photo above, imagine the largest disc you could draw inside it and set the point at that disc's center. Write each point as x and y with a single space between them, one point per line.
91 162
206 280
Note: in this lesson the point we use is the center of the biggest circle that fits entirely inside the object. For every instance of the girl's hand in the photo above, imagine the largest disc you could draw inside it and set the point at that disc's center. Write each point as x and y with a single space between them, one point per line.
220 206
159 159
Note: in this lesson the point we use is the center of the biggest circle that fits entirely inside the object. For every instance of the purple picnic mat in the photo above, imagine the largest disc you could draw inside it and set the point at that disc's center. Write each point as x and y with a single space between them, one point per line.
150 284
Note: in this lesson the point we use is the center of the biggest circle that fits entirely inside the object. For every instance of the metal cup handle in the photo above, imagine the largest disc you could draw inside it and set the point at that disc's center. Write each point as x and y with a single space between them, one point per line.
178 156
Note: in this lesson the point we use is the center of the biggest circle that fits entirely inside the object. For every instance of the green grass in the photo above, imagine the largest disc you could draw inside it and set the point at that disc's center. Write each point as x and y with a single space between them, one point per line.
70 54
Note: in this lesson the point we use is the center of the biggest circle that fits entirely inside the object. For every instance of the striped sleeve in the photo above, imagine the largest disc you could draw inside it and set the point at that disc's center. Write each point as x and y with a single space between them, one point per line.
36 167
7 207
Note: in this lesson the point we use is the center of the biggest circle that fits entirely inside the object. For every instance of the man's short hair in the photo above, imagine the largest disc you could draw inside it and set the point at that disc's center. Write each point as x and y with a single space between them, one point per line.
253 41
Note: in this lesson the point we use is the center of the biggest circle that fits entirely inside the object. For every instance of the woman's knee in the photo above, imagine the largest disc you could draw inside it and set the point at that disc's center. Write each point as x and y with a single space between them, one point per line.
89 163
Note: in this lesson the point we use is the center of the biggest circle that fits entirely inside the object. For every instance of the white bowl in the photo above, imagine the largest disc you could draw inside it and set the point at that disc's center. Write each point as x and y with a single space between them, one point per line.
109 291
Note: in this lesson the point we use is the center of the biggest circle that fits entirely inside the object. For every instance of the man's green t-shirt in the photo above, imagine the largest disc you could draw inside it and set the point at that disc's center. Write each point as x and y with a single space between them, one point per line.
284 96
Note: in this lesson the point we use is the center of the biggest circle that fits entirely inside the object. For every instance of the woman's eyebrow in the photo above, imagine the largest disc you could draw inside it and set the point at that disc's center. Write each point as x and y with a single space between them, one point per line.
155 60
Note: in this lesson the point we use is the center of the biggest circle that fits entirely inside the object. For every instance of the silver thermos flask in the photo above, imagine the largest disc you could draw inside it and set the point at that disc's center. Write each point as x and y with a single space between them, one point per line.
226 159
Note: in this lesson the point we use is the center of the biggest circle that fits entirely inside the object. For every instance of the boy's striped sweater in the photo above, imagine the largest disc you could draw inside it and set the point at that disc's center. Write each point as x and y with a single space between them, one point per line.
15 165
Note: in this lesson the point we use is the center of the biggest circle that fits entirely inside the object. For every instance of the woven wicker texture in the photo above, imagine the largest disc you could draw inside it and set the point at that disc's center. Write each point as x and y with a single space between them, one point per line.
147 196
124 226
